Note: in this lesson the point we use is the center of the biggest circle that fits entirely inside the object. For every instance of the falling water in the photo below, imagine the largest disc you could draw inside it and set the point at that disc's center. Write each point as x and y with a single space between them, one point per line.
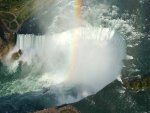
81 56
71 61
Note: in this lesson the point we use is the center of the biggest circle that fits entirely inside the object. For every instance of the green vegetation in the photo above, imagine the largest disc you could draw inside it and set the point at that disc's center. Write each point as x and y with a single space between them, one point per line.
138 84
13 25
7 16
7 5
14 12
6 22
18 11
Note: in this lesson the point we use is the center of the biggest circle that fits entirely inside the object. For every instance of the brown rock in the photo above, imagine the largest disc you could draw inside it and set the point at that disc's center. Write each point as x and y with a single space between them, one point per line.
64 109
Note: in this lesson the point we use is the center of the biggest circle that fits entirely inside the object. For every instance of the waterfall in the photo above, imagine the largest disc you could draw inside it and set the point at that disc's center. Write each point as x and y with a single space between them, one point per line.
79 55
26 42
81 52
86 57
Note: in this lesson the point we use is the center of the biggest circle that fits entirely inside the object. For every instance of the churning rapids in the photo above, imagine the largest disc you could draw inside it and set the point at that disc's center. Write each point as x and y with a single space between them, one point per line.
71 61
89 58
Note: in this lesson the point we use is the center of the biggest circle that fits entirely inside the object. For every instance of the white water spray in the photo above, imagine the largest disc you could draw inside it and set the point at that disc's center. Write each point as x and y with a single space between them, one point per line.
68 56
88 57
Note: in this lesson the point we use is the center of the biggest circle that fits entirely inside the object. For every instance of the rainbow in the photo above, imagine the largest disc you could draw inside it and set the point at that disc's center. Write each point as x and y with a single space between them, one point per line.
78 4
74 39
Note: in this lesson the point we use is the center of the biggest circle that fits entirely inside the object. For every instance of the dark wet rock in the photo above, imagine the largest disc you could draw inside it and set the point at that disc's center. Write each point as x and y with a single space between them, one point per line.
31 26
16 55
114 98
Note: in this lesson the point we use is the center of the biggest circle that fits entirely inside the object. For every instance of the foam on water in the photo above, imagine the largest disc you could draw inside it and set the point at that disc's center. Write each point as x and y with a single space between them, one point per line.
90 57
87 55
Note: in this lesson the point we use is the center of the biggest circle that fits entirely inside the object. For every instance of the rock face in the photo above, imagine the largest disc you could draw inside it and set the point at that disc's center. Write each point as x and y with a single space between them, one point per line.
115 99
7 43
11 18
